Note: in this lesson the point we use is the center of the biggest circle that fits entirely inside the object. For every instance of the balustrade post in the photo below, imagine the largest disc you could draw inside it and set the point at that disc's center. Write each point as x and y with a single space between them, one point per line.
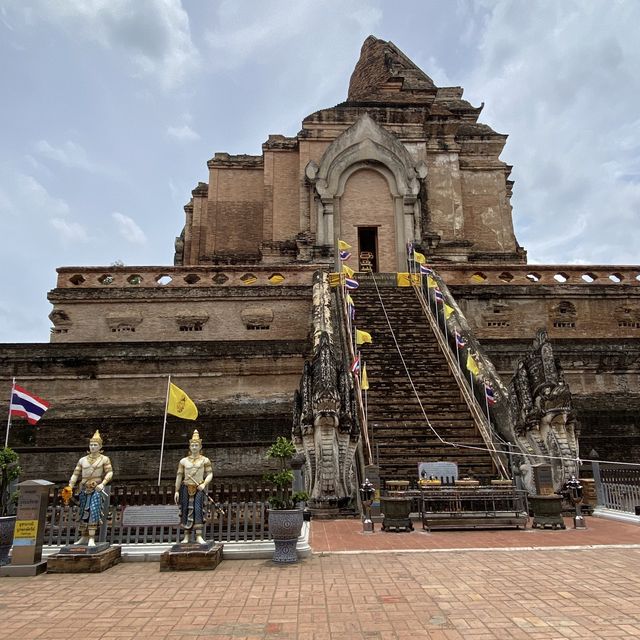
597 479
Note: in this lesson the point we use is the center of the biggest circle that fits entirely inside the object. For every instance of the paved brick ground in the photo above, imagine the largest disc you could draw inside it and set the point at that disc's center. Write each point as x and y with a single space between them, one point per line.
346 535
449 595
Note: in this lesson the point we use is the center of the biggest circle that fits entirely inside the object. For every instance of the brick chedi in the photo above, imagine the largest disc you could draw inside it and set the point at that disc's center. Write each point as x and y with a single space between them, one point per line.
401 160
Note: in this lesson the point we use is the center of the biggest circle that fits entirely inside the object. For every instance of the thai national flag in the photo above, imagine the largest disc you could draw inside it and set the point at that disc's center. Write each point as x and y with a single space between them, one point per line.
488 390
345 255
355 365
426 270
460 341
438 295
26 405
351 284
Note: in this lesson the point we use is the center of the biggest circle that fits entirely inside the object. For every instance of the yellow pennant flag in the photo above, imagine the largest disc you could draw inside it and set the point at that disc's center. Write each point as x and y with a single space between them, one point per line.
471 365
448 310
402 279
364 383
415 278
431 282
180 404
343 246
419 257
335 279
348 270
362 337
350 300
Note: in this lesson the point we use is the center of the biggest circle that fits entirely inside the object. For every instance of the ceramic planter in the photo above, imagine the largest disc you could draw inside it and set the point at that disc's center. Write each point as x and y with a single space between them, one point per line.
7 526
285 526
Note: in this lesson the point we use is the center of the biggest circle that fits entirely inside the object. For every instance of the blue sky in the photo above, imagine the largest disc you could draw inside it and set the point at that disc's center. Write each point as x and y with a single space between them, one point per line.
111 109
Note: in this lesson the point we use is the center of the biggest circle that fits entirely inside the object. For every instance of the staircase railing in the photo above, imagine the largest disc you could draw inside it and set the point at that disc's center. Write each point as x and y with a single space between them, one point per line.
480 419
346 334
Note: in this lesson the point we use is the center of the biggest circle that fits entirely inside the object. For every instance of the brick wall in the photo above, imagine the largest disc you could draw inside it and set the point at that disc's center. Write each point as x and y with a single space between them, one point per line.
286 193
235 210
367 202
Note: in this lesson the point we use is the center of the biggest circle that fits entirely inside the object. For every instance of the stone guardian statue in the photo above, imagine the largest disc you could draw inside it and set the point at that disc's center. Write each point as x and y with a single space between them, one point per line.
94 472
192 479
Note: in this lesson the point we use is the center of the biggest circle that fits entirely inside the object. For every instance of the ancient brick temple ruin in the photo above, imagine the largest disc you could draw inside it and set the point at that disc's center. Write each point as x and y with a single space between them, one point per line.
246 304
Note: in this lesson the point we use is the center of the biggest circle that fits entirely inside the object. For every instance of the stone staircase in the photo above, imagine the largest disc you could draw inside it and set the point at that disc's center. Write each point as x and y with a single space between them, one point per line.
400 436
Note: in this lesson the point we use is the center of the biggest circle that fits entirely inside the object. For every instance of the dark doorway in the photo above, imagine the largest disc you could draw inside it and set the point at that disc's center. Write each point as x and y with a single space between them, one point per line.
368 249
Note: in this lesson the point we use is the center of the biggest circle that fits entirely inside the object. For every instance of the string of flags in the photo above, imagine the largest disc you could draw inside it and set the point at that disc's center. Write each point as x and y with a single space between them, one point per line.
346 278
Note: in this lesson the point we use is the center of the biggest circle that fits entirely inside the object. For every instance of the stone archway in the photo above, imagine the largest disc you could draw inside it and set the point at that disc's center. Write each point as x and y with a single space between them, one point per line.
366 145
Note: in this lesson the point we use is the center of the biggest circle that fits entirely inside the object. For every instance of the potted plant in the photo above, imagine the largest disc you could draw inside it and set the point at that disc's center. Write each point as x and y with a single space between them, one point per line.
9 471
285 517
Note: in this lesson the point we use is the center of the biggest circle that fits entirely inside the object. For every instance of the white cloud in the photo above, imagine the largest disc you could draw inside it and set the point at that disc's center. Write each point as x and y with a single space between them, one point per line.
559 78
128 229
23 196
69 153
69 231
153 34
253 29
184 133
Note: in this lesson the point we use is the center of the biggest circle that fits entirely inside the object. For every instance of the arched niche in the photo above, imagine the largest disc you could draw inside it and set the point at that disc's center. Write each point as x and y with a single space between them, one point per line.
367 145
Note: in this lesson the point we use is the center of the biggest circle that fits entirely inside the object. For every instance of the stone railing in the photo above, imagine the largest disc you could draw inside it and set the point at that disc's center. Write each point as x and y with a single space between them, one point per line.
172 277
476 274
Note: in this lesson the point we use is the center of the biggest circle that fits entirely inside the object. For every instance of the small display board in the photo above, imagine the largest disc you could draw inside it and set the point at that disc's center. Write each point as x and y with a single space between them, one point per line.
446 472
25 533
543 479
151 515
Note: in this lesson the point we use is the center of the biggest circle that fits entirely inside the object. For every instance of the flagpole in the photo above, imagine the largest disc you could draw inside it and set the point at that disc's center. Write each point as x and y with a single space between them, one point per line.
164 428
486 402
6 438
444 320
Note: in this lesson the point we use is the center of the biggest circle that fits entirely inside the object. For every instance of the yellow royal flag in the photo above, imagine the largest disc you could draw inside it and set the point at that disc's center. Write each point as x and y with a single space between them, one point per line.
348 270
402 279
415 278
362 337
350 300
419 257
448 310
364 383
431 283
335 279
343 246
471 365
180 404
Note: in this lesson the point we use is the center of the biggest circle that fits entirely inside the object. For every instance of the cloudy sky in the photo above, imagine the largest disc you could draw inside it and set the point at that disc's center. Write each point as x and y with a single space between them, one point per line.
111 108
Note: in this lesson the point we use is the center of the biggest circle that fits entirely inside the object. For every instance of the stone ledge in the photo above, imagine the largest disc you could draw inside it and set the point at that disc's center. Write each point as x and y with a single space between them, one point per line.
260 549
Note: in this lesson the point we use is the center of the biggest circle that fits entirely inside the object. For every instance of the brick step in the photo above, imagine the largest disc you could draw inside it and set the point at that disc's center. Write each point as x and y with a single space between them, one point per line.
412 408
397 425
400 423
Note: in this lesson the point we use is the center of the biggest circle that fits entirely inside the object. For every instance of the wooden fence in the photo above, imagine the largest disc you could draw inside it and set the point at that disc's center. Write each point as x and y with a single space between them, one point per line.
237 512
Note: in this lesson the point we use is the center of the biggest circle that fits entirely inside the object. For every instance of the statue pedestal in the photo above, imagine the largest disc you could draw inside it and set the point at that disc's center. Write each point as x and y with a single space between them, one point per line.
192 557
83 559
